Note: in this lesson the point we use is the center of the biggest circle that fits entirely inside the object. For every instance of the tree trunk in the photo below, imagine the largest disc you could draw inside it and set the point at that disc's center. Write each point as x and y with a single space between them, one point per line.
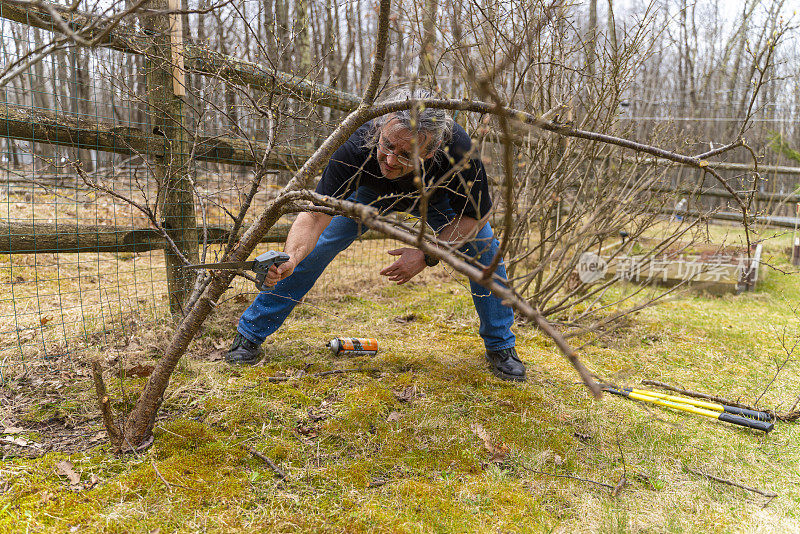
302 38
284 60
427 67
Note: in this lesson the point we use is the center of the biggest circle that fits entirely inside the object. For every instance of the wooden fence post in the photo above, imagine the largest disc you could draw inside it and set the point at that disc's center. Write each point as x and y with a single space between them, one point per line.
172 166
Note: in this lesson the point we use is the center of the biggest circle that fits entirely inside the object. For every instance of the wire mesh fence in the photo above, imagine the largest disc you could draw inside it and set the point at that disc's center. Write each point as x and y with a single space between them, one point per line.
81 166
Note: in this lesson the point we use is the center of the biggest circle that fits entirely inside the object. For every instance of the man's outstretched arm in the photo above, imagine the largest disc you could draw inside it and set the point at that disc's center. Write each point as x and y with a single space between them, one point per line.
302 238
412 261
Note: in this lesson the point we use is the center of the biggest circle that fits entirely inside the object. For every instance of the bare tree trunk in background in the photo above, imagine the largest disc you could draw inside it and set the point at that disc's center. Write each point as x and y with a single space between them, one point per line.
427 68
612 29
347 82
80 97
683 48
361 64
733 77
332 51
591 57
247 52
269 33
284 46
40 99
15 90
691 53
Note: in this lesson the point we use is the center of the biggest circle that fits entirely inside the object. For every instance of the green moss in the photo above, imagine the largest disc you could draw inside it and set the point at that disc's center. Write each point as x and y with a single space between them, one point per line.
43 412
181 436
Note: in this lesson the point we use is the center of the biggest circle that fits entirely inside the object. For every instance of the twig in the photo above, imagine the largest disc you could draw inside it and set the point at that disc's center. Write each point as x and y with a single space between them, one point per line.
770 495
316 375
789 352
164 480
623 480
603 484
272 465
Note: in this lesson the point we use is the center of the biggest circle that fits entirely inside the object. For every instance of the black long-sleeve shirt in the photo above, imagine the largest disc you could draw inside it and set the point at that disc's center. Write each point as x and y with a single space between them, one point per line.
354 165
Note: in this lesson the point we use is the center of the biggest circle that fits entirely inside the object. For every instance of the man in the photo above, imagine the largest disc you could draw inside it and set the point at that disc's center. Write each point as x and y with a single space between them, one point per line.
376 167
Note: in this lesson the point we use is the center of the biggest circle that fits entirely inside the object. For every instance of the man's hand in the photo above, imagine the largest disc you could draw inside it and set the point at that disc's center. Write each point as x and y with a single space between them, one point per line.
409 265
277 273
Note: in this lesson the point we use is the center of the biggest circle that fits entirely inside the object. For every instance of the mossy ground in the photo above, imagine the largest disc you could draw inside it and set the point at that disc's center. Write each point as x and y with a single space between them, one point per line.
353 468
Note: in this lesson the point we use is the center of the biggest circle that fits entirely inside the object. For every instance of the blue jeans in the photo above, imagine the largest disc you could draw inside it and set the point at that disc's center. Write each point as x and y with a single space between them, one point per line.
270 308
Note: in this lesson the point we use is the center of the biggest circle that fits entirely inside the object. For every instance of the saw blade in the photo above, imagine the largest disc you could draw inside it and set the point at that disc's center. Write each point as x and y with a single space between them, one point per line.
224 266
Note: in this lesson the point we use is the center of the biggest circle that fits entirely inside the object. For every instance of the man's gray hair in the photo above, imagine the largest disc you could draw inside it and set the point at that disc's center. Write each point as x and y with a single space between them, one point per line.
436 123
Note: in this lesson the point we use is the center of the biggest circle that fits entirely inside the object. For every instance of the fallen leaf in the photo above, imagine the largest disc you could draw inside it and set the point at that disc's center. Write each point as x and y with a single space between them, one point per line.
44 319
407 395
581 436
241 298
394 417
22 442
13 430
497 451
402 319
139 369
93 481
316 415
307 431
621 484
66 469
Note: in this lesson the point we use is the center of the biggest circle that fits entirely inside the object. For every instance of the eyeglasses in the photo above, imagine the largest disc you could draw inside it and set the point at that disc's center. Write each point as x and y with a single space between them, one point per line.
405 159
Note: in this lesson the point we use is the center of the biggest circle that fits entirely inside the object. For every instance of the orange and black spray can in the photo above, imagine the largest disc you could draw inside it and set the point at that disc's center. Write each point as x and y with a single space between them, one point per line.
353 346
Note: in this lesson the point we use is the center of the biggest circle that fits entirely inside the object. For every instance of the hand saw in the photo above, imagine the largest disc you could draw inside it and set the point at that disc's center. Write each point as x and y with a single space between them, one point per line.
260 266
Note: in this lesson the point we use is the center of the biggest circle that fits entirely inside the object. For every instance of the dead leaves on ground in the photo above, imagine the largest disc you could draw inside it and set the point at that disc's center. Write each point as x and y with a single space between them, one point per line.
407 394
220 348
498 451
137 369
66 469
403 319
394 417
10 435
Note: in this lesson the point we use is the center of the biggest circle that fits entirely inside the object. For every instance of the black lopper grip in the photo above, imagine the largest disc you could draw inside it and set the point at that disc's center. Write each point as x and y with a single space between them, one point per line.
764 426
760 416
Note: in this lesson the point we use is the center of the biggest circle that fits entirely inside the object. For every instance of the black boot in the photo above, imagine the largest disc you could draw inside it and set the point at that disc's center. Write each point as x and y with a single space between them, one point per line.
243 352
505 364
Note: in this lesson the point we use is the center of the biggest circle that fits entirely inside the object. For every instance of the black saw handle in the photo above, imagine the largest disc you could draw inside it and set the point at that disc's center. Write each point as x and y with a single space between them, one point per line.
262 265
